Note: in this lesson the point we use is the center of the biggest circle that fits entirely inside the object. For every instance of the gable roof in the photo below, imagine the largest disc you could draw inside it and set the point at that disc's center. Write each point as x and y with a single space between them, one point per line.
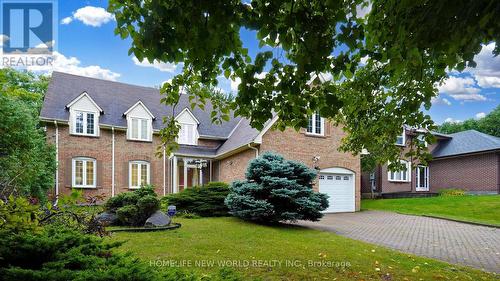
84 94
188 112
466 142
116 98
143 106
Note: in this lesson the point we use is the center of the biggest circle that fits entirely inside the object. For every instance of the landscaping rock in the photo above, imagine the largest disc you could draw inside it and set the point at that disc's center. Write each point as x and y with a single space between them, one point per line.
107 218
158 219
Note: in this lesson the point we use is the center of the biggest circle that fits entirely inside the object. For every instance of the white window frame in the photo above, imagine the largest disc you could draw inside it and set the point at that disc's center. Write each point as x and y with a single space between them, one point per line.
313 127
74 113
139 129
403 135
193 140
419 187
139 171
401 173
421 138
84 172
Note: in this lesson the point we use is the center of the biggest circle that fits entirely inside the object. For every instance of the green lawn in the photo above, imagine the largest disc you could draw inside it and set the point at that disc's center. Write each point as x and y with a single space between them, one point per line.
482 209
311 254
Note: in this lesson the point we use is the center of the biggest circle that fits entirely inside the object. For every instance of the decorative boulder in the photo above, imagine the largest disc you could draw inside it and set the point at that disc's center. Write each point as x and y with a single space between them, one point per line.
107 218
158 219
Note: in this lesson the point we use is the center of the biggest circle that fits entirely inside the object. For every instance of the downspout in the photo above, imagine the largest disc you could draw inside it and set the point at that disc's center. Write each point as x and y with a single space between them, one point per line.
164 176
256 150
57 162
112 161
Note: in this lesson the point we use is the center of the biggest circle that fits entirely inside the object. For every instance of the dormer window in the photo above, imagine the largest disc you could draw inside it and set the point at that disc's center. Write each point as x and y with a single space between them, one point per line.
316 125
401 139
84 116
188 133
139 123
84 123
140 129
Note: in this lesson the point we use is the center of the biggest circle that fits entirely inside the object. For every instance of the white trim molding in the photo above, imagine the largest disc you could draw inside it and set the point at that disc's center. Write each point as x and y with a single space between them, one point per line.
139 164
85 161
84 94
137 104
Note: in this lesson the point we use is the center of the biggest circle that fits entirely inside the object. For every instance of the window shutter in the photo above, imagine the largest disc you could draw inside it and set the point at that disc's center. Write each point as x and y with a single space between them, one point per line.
125 175
328 128
68 172
151 172
100 174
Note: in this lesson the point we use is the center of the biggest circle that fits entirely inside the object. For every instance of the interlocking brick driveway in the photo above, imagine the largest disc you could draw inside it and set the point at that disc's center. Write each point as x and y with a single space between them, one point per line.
454 242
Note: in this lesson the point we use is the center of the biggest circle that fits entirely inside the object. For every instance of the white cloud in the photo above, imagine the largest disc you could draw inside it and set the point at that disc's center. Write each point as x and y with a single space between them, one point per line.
439 100
235 83
461 88
73 65
90 15
165 67
3 38
451 120
361 12
480 115
66 20
487 71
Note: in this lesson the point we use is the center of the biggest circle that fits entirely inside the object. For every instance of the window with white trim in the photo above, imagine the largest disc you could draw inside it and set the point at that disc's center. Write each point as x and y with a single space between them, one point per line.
421 139
84 172
140 129
401 139
422 178
187 134
316 125
401 175
138 174
84 123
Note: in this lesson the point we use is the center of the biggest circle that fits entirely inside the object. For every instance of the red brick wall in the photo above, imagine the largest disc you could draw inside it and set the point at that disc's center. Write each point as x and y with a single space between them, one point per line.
100 148
234 167
301 147
475 173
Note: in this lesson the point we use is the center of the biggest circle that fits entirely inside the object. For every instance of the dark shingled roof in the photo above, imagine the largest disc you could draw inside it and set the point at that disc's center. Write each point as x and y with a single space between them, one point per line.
196 150
115 98
465 142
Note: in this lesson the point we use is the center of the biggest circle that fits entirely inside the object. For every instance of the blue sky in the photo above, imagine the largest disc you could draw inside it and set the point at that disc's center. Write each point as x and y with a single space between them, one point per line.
86 45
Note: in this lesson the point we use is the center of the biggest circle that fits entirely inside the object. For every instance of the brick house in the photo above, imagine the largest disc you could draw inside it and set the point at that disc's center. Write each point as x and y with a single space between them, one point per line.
467 160
106 138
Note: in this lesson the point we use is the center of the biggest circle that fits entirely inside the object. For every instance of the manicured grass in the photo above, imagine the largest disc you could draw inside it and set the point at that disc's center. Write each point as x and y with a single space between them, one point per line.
265 247
473 208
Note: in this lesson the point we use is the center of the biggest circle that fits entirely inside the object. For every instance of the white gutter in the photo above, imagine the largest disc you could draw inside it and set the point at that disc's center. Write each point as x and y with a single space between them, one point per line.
57 162
254 148
112 161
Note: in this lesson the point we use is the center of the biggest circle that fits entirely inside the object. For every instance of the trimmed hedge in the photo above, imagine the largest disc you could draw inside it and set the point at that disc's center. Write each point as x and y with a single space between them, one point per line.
205 201
134 208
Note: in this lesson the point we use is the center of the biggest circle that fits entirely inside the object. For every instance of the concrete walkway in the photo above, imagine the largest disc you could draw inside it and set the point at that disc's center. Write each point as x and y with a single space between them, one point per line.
453 242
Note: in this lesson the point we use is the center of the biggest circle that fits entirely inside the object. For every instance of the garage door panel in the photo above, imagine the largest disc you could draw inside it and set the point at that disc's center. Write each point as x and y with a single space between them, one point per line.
340 189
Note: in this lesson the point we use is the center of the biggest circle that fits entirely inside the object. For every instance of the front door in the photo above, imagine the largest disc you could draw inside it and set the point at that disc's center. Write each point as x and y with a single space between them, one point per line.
422 178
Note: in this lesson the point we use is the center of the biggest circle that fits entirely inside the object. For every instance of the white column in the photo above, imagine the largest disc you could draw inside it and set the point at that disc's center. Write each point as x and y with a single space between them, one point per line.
201 175
175 186
210 176
185 173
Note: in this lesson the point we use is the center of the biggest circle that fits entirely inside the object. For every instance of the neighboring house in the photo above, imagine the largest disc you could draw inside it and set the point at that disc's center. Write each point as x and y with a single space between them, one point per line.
467 160
106 137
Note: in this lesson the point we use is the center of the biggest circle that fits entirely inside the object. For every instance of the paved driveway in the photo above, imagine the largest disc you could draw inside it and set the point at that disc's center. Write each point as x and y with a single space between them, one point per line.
454 242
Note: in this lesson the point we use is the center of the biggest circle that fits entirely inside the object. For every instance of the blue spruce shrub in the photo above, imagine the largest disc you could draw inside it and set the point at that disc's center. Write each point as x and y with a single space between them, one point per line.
276 190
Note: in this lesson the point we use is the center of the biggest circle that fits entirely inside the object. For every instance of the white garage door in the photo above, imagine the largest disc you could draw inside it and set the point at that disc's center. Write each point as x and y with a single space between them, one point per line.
340 190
